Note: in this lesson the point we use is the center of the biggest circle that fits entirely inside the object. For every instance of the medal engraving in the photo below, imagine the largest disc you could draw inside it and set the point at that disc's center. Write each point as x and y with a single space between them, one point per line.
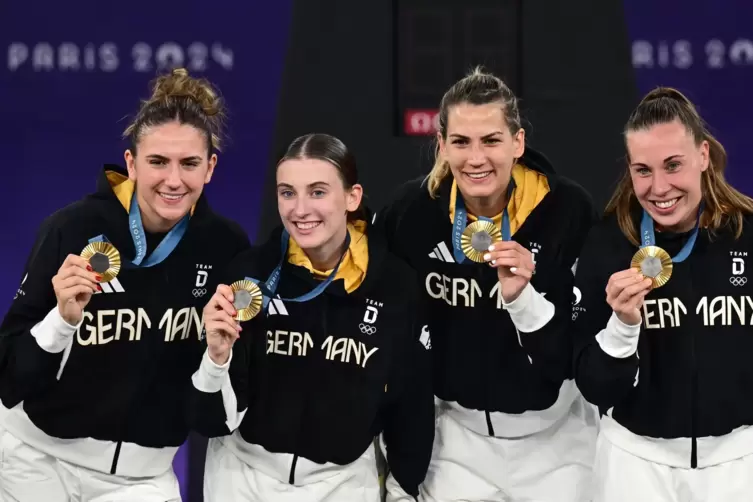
480 241
654 263
477 237
241 300
99 263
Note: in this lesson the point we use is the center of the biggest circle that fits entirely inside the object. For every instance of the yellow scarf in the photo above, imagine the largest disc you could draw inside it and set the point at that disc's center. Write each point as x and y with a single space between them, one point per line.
530 188
355 262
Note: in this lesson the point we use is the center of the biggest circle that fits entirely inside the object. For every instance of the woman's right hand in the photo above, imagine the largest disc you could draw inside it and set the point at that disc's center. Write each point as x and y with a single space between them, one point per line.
74 285
220 324
625 293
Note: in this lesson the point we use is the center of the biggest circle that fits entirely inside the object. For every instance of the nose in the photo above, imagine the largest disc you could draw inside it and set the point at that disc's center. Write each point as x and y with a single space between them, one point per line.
301 208
172 176
660 183
477 157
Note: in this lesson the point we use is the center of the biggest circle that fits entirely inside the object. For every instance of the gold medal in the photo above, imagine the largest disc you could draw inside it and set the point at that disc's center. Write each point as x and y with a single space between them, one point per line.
247 299
654 263
103 258
477 237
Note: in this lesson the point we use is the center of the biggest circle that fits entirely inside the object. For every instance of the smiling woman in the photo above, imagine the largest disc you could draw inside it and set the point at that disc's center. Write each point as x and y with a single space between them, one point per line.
337 357
95 350
663 332
173 142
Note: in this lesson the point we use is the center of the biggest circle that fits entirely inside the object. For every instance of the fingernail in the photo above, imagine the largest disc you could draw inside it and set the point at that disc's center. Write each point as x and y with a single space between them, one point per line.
89 268
491 248
98 277
487 256
494 262
99 287
513 269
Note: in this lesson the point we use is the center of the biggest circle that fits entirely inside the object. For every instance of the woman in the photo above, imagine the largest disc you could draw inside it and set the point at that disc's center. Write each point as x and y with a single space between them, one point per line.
511 424
667 356
100 344
338 355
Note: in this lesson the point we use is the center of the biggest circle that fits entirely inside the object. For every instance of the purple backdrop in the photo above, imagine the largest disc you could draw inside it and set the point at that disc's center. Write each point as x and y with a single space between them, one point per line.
70 75
704 49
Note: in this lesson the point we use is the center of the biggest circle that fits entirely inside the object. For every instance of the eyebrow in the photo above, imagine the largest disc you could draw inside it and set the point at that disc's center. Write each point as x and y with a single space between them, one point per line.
487 136
671 157
310 185
193 158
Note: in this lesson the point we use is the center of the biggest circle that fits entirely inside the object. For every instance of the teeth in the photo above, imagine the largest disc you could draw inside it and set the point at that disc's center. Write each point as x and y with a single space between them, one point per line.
171 196
307 225
665 204
478 176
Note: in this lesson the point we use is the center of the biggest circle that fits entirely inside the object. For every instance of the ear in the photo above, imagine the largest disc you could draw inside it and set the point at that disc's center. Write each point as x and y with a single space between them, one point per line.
210 171
130 165
519 143
354 197
704 155
442 145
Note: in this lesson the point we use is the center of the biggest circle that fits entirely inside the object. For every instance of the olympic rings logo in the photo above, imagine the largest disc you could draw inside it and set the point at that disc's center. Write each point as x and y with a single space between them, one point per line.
199 292
738 281
367 329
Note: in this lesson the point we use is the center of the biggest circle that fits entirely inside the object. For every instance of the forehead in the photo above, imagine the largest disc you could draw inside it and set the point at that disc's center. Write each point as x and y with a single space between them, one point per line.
475 120
302 172
659 142
173 140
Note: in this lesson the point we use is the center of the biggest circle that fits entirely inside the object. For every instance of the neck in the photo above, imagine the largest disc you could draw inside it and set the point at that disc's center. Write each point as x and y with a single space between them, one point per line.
328 254
488 207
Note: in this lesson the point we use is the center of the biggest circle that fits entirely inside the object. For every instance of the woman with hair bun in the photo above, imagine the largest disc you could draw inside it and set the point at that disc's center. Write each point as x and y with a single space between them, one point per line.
664 330
98 348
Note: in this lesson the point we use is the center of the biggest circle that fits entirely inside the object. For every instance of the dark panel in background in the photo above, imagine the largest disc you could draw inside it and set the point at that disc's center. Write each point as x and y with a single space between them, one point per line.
342 77
436 42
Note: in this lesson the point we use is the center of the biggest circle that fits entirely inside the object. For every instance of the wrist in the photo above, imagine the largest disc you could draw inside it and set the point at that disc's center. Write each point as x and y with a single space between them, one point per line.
220 357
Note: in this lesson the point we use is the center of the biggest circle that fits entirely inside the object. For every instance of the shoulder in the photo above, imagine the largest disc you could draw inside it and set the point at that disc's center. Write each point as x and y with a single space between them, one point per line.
571 194
397 279
409 193
218 231
72 215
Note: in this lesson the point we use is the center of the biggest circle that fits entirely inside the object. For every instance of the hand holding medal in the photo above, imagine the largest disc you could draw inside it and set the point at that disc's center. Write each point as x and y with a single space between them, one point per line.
74 285
514 265
626 291
221 321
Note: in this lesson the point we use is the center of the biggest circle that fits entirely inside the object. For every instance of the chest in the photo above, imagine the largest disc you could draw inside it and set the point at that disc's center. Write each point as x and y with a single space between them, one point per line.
158 304
451 279
347 336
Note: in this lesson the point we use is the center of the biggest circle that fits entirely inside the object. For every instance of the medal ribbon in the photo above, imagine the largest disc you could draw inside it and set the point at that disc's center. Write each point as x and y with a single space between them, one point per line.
649 238
460 221
165 248
270 286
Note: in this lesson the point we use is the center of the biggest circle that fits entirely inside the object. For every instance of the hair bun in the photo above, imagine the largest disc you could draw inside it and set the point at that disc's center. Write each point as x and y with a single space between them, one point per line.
180 84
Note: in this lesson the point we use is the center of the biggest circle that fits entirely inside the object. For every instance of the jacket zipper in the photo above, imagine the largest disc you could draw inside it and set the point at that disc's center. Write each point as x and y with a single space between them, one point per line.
489 425
115 458
291 478
294 462
693 395
116 455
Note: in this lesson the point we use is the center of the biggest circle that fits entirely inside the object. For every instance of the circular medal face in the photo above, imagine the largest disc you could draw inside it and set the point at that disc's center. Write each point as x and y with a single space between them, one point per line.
476 239
654 263
247 299
103 258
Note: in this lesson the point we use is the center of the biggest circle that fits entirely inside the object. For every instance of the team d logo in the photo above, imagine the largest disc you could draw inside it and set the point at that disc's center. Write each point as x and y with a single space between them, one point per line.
738 268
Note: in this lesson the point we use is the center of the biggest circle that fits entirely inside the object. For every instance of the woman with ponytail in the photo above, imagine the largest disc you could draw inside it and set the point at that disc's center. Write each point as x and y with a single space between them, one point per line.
493 233
666 355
